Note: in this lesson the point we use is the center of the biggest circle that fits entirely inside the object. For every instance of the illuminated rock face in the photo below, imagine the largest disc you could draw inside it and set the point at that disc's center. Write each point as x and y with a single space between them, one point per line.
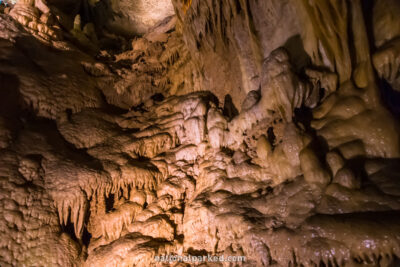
252 129
136 17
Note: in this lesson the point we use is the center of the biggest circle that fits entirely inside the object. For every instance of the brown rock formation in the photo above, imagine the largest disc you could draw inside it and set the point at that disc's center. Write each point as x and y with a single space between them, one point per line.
262 130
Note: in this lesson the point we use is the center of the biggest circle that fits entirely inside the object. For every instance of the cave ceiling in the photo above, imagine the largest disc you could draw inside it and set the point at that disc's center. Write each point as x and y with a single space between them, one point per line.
200 133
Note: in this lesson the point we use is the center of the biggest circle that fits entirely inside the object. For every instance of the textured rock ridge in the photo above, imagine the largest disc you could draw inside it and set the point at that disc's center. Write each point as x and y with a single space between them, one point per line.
263 129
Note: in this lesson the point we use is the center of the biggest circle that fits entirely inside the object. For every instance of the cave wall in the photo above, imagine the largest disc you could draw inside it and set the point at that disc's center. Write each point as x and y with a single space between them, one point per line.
130 18
234 37
247 128
230 39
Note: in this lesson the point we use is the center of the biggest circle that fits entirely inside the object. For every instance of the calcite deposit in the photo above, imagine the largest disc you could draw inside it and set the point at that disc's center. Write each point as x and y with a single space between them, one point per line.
265 130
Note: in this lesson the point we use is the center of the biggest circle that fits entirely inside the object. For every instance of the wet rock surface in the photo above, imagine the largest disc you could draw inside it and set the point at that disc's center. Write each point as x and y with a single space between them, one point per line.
213 133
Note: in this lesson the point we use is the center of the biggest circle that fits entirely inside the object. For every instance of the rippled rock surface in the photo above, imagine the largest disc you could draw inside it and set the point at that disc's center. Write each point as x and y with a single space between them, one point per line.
264 129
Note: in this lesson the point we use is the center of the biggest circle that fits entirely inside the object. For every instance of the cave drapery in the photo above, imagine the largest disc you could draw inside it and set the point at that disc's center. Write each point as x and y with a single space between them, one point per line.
132 129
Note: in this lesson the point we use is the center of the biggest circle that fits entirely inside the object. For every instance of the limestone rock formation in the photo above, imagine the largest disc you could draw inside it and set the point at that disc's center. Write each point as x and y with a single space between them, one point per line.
132 17
261 133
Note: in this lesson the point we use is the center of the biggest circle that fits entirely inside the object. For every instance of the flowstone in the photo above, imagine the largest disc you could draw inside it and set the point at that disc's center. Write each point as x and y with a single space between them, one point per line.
259 129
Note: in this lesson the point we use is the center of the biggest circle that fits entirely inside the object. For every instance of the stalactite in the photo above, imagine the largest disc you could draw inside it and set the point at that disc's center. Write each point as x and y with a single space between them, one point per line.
246 128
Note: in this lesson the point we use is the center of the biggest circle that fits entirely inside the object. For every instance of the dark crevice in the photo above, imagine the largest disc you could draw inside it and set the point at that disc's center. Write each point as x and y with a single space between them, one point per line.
86 237
297 54
110 202
158 97
70 230
303 116
271 137
368 8
229 111
390 97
